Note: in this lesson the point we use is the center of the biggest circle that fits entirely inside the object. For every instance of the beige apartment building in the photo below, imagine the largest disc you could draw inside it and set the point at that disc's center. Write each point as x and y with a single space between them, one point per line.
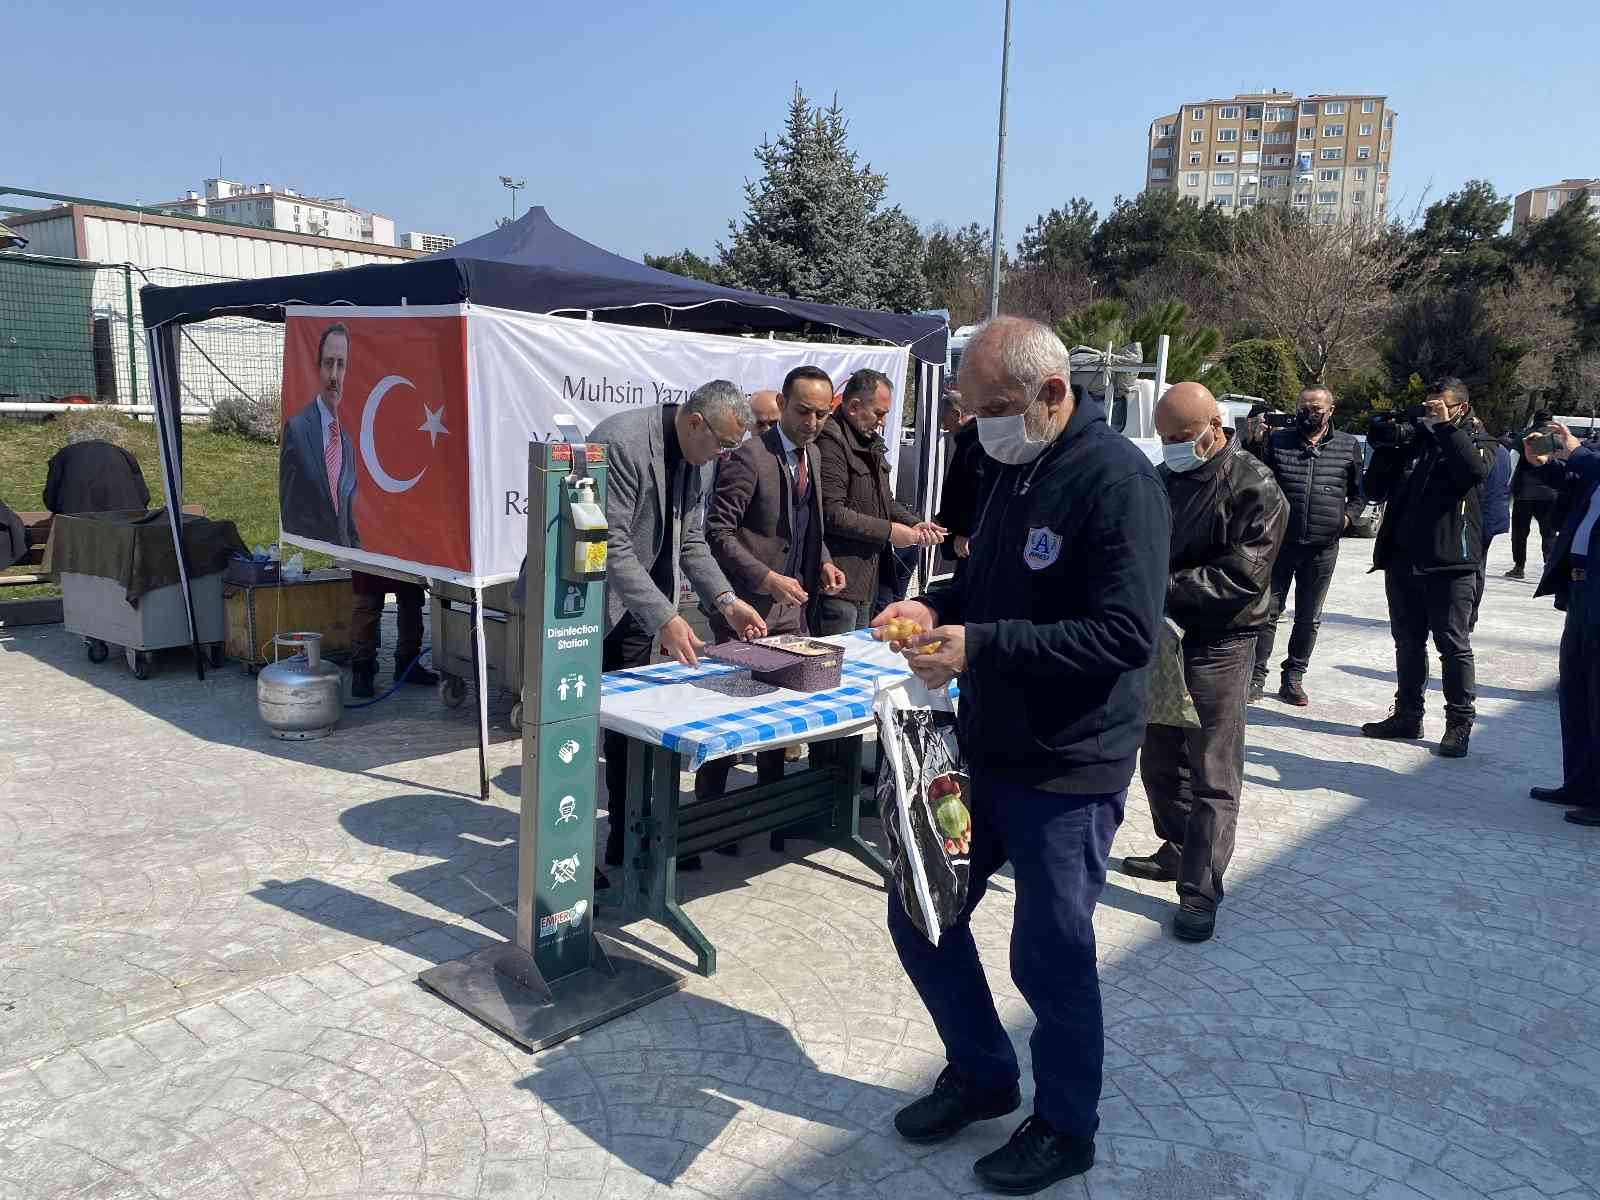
1326 155
1536 204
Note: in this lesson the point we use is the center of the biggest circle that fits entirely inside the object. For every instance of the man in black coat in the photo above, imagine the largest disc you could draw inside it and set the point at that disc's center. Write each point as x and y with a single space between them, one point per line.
1572 576
91 476
1318 469
1228 521
1050 627
864 520
1533 499
317 461
1430 470
765 530
958 500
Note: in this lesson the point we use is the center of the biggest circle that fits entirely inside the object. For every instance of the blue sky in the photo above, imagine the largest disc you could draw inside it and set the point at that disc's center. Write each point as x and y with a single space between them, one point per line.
634 122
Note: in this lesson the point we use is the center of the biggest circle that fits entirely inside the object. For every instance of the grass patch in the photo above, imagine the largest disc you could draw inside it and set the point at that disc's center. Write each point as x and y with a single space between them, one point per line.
235 478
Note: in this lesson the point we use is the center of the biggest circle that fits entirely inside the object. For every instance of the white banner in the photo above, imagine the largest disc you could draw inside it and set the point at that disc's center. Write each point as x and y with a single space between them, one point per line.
523 369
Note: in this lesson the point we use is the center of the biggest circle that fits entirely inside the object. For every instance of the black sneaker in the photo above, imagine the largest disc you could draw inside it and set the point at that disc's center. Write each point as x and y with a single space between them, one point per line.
1195 921
1157 867
1457 735
951 1107
1555 795
1583 816
361 683
1394 726
1034 1158
1258 691
1515 573
420 675
1290 692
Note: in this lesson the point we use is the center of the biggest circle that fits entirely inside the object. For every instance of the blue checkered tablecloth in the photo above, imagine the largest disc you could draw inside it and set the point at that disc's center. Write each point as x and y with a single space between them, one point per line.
703 713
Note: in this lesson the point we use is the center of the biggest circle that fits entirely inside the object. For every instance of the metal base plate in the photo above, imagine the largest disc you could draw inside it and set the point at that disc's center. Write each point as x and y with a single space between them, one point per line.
483 986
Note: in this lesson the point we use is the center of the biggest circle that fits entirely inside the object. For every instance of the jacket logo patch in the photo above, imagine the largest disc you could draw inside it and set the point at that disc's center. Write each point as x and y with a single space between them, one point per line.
1041 549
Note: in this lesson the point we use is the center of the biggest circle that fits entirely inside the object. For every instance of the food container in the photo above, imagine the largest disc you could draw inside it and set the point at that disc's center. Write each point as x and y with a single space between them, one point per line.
800 664
244 569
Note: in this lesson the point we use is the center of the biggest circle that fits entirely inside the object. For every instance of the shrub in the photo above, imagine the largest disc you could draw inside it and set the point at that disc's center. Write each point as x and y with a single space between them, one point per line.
1259 367
255 418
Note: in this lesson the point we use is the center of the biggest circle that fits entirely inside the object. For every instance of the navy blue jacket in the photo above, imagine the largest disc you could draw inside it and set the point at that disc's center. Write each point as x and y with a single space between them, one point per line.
1061 599
1579 476
1497 494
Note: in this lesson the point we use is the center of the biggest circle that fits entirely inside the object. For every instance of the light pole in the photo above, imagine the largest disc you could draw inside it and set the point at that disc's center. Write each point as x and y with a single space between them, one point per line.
999 174
513 186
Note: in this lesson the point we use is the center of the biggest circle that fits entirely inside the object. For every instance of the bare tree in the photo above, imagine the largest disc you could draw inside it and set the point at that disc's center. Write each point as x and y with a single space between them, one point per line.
1532 317
1326 289
1045 293
1581 375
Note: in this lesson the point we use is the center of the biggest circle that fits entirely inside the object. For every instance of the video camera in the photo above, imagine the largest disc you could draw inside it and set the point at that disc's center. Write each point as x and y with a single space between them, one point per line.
1395 430
1277 420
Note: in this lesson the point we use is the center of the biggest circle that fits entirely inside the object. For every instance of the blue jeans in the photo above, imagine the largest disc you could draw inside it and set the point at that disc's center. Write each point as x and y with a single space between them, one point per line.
1057 846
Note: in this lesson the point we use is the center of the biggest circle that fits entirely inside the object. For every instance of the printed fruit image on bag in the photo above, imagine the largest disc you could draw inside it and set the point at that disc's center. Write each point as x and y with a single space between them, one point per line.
924 798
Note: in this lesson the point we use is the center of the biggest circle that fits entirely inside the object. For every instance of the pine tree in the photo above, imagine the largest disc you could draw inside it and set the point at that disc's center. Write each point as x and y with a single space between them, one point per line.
815 227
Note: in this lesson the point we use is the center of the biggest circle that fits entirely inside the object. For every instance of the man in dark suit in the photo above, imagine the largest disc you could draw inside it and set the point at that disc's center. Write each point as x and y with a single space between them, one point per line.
317 462
765 532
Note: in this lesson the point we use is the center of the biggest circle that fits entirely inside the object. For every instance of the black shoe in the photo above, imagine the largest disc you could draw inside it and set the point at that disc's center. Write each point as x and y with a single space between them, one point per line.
361 683
731 850
1584 816
1290 692
951 1107
1195 921
689 862
1394 726
420 675
1258 691
1555 795
1034 1158
1157 867
1457 735
1515 573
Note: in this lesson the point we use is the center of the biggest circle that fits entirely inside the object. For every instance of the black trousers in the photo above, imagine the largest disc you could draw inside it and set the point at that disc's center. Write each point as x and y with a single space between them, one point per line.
366 620
627 645
1580 692
839 615
1523 514
712 779
1057 846
1481 581
1440 605
1193 777
1309 569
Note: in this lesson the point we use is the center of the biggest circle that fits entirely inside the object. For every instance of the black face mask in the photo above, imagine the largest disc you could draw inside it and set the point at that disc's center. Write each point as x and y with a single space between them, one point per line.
1310 422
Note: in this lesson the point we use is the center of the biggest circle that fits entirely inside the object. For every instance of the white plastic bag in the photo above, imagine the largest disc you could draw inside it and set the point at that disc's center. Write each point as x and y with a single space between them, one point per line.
924 799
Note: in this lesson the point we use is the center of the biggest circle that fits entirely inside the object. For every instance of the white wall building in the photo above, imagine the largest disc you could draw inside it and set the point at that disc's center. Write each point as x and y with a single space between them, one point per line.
428 243
268 207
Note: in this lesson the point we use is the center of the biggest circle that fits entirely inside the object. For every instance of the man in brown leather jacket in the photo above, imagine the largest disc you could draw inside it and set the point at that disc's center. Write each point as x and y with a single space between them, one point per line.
1228 522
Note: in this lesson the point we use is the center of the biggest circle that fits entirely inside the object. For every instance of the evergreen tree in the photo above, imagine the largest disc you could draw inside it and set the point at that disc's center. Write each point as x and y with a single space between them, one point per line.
1104 324
815 226
1059 239
685 262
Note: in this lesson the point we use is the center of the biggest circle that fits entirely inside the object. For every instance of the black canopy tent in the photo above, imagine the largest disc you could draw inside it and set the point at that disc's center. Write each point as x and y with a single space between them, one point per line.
532 265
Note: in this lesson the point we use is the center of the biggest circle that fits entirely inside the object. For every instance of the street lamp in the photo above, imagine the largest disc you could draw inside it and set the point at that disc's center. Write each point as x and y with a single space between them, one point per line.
999 173
513 186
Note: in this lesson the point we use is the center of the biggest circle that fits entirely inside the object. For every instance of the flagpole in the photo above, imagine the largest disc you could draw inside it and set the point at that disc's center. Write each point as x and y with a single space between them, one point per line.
1000 173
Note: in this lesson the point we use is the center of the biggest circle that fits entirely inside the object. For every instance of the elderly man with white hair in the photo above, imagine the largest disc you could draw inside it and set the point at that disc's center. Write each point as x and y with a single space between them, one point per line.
1049 624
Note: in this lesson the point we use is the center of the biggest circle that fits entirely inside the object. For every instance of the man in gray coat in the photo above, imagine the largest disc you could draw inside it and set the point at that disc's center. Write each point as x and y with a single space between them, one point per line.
656 537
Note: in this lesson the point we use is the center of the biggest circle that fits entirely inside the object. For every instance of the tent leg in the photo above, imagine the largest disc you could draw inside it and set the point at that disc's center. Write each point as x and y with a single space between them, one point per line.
161 346
480 671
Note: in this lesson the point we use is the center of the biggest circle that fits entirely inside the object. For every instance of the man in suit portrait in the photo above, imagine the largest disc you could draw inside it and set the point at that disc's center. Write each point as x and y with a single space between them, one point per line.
765 531
317 462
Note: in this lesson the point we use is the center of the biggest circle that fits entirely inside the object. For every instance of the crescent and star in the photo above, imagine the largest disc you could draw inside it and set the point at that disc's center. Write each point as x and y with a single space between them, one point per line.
432 425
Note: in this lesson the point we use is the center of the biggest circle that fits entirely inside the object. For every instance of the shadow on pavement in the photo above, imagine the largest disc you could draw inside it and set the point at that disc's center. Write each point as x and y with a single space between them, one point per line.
1484 690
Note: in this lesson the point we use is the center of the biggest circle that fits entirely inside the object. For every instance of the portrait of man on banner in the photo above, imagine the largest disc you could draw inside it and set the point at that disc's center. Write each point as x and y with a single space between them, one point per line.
317 476
374 455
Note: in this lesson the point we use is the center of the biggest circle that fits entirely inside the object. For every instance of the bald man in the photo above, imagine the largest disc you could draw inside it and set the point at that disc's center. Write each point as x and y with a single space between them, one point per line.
1228 522
765 406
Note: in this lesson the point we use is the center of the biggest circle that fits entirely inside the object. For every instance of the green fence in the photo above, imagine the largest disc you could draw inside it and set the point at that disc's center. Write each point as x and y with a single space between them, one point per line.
73 331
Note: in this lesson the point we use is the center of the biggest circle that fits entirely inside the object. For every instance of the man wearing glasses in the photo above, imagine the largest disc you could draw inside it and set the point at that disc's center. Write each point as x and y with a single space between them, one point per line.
656 537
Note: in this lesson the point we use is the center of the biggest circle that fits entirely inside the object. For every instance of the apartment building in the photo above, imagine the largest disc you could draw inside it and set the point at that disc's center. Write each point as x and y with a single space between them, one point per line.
286 209
1536 204
1326 155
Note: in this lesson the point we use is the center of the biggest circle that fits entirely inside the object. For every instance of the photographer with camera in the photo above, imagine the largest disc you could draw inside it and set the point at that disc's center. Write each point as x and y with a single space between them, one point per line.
1565 463
1429 464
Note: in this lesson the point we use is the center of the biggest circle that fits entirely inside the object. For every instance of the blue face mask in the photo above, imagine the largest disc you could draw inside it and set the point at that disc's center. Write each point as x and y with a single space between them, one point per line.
1182 457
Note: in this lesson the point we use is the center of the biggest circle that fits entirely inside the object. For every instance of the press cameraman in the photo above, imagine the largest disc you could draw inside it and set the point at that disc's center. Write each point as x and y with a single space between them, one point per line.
1428 464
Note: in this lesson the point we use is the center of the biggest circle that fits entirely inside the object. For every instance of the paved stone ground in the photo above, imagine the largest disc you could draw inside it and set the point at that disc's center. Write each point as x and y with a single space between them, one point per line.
209 939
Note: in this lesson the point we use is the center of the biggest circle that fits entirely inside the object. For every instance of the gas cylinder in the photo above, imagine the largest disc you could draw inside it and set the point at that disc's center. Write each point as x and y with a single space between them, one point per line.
300 697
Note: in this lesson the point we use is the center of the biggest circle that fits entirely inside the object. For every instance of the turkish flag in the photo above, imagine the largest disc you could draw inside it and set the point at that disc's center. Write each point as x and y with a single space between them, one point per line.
403 409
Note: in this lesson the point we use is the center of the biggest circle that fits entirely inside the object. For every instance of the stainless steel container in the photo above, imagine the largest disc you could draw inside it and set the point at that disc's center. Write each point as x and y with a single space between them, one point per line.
300 698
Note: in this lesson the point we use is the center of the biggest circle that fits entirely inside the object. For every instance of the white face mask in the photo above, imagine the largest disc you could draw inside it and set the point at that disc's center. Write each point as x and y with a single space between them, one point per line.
1183 457
1005 439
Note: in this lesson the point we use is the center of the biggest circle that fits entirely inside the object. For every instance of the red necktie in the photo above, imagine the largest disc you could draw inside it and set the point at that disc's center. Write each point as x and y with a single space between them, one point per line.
333 458
800 477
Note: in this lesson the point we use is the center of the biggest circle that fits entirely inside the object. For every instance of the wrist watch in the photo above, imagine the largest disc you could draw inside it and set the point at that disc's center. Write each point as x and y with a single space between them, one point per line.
727 599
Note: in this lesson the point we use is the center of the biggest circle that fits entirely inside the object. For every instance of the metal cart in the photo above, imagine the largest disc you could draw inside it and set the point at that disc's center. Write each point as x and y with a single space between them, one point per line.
451 611
98 611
